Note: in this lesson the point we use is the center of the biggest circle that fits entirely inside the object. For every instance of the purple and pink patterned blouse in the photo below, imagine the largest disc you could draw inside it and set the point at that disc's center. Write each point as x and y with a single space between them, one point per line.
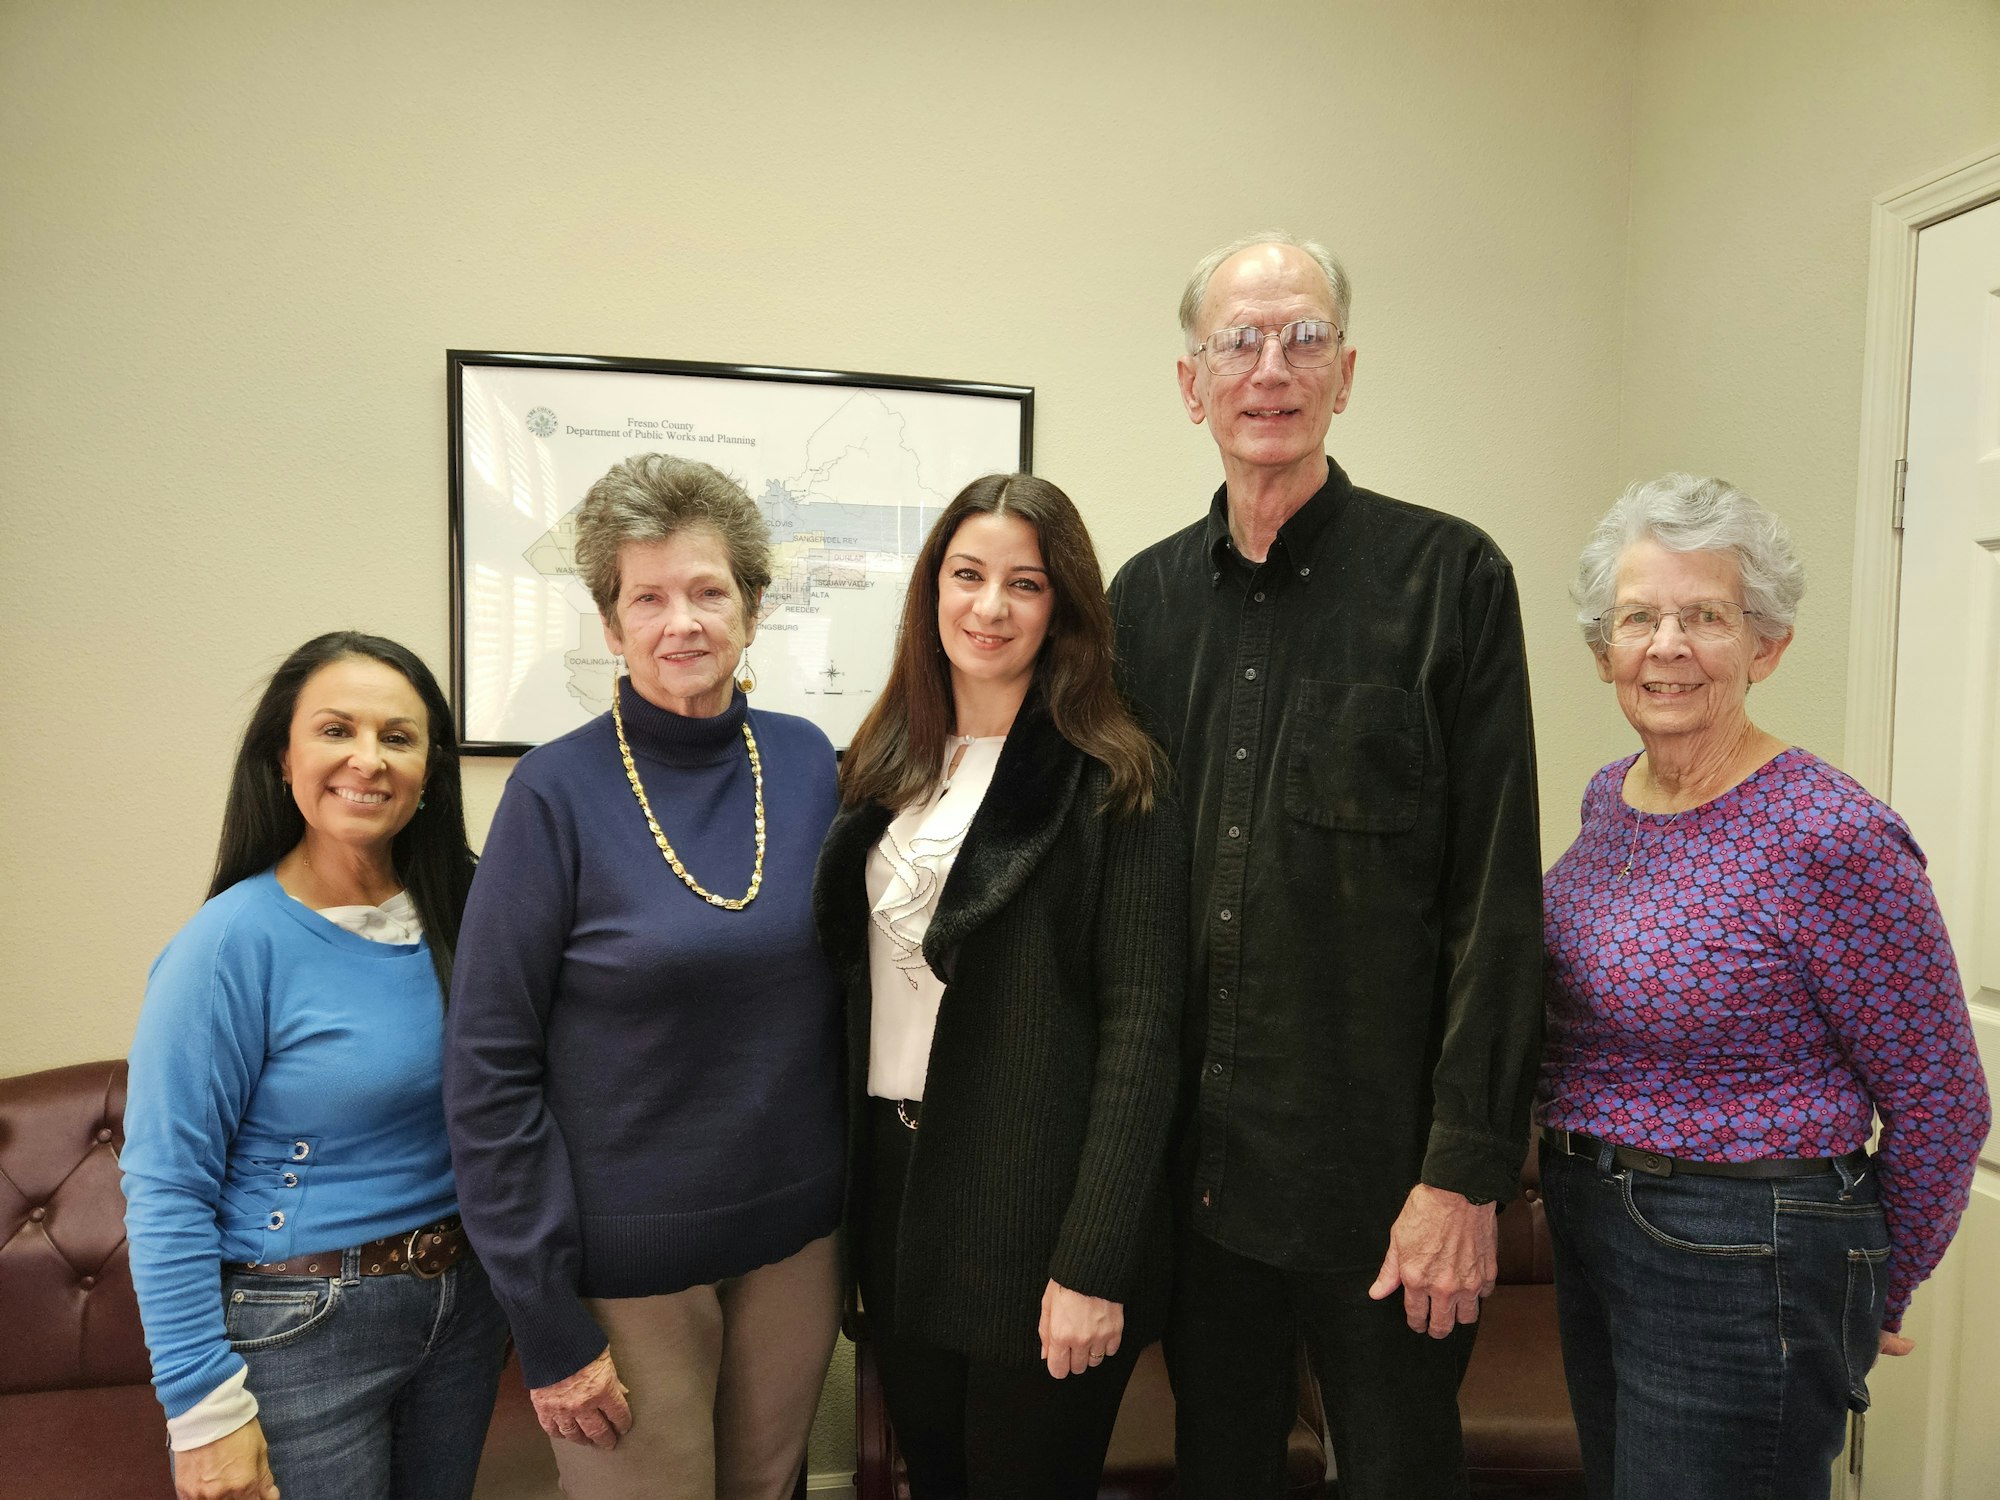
1770 973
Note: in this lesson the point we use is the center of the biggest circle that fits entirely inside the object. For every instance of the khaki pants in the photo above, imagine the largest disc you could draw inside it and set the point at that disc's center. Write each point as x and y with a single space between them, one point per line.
723 1381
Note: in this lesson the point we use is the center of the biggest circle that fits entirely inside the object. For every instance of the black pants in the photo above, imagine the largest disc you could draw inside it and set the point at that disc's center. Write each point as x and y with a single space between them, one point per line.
1391 1395
973 1429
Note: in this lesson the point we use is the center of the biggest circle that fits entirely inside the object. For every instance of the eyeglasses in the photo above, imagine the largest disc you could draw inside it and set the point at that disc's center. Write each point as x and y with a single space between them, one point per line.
1703 620
1307 344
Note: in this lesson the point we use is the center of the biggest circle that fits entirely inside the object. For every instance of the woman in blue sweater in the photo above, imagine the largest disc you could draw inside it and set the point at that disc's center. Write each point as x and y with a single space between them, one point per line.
285 1128
642 1072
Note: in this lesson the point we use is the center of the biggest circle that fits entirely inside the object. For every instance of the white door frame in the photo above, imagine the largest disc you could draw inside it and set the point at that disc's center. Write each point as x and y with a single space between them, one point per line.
1885 401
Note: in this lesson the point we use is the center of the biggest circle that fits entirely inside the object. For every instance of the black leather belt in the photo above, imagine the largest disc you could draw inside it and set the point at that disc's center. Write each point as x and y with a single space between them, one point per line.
1656 1164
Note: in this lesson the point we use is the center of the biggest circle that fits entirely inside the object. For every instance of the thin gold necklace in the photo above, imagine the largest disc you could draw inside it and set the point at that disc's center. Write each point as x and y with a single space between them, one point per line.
1639 823
660 838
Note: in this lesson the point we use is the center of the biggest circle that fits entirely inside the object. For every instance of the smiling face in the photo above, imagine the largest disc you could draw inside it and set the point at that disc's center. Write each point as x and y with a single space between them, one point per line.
1269 420
994 605
682 622
358 753
1672 687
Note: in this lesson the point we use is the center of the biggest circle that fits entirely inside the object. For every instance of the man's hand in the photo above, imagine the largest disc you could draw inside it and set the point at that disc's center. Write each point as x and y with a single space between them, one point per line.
1893 1343
587 1407
236 1467
1444 1253
1078 1332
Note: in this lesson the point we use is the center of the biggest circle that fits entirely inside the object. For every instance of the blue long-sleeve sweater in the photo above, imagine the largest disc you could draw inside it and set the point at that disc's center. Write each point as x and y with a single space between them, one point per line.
283 1099
643 1089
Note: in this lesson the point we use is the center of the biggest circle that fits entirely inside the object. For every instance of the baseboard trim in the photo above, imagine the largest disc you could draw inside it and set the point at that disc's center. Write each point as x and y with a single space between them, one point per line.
832 1486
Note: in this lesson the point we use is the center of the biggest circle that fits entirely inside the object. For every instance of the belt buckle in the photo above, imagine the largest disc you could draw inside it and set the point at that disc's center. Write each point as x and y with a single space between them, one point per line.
410 1257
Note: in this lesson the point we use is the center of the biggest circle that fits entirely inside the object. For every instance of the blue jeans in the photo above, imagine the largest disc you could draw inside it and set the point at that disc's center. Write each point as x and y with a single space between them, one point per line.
1716 1331
370 1386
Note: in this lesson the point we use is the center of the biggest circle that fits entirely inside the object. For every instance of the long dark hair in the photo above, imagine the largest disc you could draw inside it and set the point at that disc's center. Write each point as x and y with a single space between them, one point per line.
896 757
261 823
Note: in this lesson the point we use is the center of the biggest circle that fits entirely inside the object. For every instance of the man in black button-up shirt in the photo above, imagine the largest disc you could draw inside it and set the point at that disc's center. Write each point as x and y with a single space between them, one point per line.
1339 681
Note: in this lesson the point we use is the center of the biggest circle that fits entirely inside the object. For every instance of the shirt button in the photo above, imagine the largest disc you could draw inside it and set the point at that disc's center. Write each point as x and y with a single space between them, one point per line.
1225 914
1249 674
1235 832
1258 596
1222 994
1215 1070
1305 572
1242 754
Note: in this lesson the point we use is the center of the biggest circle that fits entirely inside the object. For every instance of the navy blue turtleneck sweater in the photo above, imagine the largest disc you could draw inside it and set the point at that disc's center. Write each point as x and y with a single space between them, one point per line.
642 1089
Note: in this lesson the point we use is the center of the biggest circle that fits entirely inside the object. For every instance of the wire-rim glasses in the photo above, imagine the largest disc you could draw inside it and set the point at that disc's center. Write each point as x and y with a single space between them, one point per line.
1703 620
1307 343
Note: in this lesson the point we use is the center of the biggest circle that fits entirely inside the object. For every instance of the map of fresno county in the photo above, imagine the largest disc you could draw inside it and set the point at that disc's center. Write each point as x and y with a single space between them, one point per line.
844 532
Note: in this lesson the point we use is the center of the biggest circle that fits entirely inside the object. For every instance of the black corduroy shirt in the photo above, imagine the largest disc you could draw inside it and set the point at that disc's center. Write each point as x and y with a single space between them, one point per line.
1350 724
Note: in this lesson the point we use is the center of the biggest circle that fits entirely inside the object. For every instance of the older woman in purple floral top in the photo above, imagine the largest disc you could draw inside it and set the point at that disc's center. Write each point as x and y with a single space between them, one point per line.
1746 968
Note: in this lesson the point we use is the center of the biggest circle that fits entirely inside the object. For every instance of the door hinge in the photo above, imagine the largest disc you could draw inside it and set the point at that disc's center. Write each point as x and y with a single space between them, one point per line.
1902 479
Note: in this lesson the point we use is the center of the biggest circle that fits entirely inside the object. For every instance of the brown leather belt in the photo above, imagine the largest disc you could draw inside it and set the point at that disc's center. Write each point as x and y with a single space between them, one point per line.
426 1252
1656 1164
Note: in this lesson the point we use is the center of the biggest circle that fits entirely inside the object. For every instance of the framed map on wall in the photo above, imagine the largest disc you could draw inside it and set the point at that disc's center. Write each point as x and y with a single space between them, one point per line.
849 470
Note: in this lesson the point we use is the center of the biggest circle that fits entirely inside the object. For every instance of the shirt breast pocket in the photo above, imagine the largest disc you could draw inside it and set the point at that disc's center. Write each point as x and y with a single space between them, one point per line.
1354 761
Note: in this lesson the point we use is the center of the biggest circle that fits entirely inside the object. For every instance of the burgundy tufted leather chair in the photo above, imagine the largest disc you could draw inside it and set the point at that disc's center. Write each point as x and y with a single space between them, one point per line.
77 1414
1520 1439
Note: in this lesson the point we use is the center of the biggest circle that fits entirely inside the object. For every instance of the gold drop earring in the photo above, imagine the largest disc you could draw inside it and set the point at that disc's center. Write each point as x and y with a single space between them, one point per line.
746 675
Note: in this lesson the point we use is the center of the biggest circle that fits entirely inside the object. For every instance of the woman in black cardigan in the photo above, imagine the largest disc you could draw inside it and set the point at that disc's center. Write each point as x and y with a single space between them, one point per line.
1004 897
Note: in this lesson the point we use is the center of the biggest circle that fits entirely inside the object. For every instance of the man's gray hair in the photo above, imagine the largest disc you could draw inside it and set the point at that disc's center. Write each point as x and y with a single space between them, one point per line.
651 496
1205 269
1689 513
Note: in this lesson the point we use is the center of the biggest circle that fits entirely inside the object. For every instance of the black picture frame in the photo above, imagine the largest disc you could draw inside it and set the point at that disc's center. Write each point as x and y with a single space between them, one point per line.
510 450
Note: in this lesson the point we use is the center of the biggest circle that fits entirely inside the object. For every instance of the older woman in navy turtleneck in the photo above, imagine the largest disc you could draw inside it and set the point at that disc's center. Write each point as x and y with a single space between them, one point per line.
641 1072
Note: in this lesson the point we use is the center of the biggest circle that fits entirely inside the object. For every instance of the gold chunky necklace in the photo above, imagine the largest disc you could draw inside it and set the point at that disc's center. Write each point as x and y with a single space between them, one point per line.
660 838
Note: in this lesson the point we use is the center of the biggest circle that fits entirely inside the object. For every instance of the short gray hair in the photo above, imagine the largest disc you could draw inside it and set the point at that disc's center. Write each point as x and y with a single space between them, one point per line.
651 496
1689 513
1206 267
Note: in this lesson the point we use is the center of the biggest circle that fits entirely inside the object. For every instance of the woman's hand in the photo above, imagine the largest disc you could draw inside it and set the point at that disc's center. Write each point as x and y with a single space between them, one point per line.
1078 1331
236 1467
1894 1343
587 1407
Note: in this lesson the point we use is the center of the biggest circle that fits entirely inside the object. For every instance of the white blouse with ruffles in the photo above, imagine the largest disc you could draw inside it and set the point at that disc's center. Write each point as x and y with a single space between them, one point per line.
906 872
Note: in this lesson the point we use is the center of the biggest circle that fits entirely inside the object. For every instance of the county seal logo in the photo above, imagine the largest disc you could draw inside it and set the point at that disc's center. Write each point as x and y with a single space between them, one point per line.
541 421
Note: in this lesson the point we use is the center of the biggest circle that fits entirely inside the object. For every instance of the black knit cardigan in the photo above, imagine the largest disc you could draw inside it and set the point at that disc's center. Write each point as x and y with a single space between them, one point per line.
1061 936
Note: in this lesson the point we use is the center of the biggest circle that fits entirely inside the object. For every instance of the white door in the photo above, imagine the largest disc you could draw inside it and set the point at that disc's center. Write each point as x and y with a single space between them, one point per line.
1933 1433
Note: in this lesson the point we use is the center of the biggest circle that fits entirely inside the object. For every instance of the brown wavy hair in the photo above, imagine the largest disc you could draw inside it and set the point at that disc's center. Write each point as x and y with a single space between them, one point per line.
896 758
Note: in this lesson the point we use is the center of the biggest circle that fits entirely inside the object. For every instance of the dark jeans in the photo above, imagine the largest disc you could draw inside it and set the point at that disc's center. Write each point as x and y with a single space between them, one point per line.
971 1427
370 1386
1716 1331
1391 1395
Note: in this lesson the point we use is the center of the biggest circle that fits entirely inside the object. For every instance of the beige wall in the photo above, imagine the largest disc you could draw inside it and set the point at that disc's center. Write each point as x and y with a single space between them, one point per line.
1591 240
238 238
1761 131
